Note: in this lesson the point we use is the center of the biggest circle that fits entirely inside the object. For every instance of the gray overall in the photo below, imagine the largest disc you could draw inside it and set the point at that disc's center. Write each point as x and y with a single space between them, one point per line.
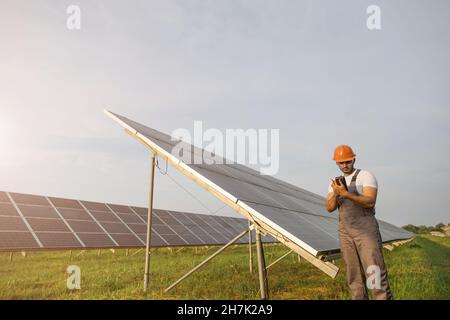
362 249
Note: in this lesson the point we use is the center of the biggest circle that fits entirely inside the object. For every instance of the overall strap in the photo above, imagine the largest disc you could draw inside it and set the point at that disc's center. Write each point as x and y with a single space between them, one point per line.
355 176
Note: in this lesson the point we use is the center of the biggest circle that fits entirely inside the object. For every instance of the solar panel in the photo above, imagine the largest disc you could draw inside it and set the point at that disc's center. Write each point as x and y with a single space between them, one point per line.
31 222
295 215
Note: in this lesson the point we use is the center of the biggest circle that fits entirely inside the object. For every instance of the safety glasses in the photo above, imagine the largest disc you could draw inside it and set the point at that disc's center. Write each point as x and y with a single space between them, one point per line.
345 162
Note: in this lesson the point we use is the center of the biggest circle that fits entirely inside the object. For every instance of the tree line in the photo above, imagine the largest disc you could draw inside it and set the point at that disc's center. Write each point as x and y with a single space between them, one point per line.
424 229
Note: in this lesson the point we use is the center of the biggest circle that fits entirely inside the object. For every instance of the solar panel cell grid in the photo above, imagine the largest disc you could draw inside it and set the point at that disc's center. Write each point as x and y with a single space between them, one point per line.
104 216
38 224
95 206
58 240
96 240
55 220
138 228
84 226
112 227
129 218
227 225
120 208
75 214
174 239
38 211
4 197
140 210
185 217
193 240
165 217
182 231
209 230
156 240
17 240
12 224
127 240
161 229
21 198
213 222
65 203
207 238
7 209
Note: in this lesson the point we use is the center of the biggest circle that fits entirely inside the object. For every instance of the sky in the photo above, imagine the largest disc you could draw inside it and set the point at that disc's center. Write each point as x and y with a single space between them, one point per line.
311 69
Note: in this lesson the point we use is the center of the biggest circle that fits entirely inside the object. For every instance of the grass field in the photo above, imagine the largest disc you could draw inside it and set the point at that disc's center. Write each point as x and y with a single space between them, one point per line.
417 270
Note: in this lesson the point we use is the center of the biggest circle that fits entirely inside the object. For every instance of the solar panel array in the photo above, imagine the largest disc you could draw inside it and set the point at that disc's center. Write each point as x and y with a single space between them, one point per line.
293 212
30 222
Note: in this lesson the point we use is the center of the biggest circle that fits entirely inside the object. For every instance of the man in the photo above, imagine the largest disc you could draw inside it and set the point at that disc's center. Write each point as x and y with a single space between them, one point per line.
359 234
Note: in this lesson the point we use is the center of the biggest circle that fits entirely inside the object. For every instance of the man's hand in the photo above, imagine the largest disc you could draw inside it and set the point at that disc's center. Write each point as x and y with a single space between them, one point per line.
338 189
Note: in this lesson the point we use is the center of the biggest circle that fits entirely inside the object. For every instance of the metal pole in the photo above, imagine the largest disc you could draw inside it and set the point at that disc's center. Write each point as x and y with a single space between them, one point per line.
149 223
279 259
206 260
10 256
79 254
250 249
261 267
139 250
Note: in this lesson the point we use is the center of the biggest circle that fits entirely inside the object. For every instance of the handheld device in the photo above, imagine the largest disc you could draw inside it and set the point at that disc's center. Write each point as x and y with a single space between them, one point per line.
341 181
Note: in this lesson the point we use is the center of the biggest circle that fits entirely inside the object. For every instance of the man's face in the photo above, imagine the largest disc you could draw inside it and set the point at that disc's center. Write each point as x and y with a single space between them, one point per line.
346 166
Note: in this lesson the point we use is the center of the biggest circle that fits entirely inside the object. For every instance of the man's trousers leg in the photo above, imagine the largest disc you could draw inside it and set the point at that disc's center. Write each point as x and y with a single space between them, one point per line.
370 252
355 274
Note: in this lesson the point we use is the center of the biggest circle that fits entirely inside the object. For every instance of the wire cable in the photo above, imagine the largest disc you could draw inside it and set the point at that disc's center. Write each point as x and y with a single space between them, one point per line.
166 173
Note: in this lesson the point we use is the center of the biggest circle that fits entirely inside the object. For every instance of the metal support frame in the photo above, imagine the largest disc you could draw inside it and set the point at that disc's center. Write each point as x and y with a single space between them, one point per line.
262 272
136 252
79 254
250 249
325 266
279 259
393 244
149 223
240 235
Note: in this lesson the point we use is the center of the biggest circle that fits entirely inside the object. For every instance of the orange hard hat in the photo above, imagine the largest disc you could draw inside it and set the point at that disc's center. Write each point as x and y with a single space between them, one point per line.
343 153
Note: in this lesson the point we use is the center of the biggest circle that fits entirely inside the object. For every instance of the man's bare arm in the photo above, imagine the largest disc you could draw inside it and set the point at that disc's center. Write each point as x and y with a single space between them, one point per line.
332 202
366 200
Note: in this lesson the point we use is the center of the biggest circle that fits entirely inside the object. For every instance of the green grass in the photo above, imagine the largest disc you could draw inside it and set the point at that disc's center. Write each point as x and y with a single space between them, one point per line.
417 270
